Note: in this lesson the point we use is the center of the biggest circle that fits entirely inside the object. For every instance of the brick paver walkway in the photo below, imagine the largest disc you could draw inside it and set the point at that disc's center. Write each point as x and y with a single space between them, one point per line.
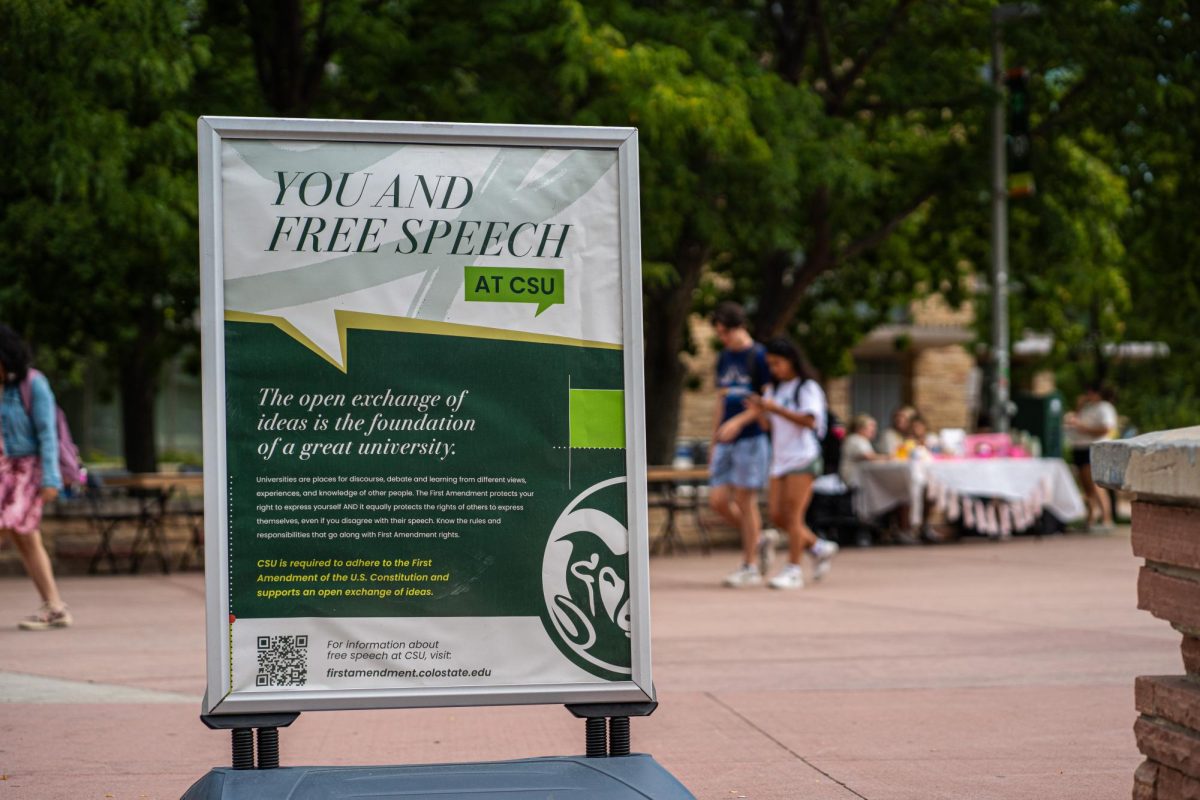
965 671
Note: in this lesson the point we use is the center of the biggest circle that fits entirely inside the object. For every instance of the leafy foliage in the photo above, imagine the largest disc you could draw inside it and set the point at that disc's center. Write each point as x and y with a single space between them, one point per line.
97 189
825 163
1108 249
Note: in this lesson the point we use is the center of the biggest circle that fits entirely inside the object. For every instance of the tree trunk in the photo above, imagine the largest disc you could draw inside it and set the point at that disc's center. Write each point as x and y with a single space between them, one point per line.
780 302
139 381
772 297
666 313
289 56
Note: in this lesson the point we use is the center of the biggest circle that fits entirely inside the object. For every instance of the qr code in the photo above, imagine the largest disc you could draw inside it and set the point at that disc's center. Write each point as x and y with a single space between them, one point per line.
282 661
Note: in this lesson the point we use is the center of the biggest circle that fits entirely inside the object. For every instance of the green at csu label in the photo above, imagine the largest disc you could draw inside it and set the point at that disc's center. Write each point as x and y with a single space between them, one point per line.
543 287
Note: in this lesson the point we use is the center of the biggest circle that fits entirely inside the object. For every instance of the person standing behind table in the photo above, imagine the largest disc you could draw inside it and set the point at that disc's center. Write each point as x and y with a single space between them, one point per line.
858 448
740 452
29 475
893 437
919 443
795 410
1094 420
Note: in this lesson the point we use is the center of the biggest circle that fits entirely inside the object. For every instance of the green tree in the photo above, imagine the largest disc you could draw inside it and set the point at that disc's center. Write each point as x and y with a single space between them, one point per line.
1157 141
709 121
97 189
898 205
273 57
826 162
900 103
1106 252
684 77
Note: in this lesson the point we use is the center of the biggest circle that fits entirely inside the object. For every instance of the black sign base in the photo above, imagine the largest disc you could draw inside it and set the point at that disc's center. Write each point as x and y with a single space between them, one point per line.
632 777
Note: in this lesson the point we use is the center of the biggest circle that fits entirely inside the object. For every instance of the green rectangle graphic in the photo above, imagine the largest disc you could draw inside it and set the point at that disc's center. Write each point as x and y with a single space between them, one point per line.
597 418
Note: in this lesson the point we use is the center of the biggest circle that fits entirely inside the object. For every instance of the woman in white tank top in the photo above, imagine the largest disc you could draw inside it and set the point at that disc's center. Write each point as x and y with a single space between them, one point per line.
793 407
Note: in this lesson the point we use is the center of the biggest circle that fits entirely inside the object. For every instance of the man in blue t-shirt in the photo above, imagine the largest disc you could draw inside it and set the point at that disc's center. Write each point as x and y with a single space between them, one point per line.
741 451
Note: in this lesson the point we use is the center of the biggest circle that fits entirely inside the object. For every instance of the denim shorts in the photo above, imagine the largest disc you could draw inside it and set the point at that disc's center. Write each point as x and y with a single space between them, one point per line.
743 463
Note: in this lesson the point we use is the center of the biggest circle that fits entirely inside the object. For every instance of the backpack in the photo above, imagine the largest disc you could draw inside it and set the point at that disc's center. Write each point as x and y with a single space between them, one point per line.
70 465
831 442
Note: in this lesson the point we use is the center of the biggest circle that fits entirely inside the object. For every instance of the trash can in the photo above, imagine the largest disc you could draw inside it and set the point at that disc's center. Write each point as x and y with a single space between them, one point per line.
1042 416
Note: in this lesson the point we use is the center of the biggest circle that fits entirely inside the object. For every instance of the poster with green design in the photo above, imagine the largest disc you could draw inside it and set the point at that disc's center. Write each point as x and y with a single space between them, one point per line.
423 415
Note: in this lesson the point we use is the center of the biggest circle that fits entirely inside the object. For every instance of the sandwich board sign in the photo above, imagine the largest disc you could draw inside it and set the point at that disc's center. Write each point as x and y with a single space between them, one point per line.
424 425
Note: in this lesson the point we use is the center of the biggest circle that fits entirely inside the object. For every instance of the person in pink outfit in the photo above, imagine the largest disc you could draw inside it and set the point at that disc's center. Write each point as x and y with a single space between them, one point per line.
29 474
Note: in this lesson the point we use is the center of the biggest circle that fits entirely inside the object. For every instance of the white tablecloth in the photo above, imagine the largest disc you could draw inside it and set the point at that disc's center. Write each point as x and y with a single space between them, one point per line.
1020 486
884 485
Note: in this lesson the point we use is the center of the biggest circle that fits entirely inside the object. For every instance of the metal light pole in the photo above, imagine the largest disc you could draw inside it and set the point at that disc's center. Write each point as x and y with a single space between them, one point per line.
999 266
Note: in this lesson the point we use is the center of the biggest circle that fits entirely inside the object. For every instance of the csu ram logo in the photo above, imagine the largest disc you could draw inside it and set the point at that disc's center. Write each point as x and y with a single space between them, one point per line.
585 581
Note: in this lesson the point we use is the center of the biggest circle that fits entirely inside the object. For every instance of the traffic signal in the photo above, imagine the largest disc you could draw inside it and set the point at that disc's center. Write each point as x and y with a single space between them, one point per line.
1020 166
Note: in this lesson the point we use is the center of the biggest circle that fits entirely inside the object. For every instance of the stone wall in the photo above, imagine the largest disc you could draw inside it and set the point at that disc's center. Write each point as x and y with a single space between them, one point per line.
941 381
1162 470
698 402
941 376
933 310
837 393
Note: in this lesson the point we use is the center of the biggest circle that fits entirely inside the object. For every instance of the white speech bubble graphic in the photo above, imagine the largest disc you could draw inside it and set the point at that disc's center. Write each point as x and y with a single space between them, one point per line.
283 203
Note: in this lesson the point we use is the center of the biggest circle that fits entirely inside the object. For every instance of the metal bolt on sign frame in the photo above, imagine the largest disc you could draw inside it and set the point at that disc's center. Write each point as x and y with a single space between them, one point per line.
243 748
607 726
267 740
244 728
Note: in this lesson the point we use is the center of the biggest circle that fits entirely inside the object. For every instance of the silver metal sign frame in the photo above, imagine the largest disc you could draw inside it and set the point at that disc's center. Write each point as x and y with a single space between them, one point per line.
219 698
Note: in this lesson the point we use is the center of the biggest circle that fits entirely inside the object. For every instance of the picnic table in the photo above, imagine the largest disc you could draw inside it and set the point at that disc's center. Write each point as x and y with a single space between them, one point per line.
144 501
676 491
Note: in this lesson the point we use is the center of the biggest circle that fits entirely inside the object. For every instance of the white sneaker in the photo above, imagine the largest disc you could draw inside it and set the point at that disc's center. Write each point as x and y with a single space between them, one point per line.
823 552
745 575
791 577
46 619
767 541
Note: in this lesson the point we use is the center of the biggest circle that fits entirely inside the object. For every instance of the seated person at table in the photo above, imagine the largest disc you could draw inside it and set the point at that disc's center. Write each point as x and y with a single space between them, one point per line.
858 448
920 442
894 436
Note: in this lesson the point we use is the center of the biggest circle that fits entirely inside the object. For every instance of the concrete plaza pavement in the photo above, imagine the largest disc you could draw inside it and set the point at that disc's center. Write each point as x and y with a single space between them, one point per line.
975 670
